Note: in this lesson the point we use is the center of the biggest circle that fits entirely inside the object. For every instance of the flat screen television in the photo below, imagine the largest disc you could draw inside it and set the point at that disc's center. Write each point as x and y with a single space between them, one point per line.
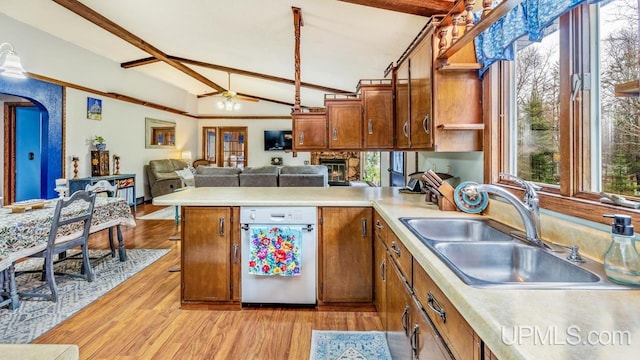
277 140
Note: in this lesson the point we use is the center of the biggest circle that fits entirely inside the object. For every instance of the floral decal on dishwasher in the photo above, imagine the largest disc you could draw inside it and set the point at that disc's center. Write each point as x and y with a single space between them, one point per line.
274 251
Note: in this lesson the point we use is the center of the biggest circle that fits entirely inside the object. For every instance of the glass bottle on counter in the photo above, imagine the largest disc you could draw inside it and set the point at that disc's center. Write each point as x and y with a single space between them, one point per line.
621 260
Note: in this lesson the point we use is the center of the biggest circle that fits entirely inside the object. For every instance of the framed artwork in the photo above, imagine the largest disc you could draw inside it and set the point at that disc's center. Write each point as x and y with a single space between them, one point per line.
94 109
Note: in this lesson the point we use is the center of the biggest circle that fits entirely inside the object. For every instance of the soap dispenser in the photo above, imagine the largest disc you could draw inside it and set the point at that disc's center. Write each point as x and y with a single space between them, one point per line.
622 261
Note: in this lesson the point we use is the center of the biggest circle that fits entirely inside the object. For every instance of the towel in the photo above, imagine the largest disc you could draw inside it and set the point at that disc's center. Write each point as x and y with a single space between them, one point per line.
274 251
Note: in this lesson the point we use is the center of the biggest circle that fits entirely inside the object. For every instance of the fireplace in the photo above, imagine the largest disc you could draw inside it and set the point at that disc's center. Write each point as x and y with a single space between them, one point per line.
337 171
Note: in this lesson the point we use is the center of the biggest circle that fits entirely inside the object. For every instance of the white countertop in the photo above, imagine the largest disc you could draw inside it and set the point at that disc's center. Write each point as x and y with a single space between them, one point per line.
551 324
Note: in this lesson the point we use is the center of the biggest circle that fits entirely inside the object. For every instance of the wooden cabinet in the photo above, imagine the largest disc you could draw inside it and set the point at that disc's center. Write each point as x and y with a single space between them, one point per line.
344 115
380 269
438 106
309 131
398 313
210 268
346 255
403 102
377 110
99 163
457 333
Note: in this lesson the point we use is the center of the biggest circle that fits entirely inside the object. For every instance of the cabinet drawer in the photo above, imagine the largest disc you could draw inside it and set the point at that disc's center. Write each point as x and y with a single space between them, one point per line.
451 325
381 229
401 255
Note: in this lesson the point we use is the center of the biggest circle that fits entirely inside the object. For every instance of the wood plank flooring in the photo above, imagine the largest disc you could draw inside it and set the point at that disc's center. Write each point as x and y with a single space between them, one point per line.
142 318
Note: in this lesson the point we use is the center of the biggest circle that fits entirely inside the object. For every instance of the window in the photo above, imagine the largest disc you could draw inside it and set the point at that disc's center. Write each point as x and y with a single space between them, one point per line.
560 121
371 167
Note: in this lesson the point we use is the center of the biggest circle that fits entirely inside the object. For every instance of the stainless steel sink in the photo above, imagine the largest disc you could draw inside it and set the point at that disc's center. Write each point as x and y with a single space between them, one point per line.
483 253
457 229
509 263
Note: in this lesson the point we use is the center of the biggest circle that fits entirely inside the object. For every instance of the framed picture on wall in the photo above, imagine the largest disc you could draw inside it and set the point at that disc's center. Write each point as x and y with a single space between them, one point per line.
94 109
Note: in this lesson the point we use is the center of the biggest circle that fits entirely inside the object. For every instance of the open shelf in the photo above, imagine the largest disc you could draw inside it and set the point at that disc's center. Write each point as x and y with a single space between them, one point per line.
461 126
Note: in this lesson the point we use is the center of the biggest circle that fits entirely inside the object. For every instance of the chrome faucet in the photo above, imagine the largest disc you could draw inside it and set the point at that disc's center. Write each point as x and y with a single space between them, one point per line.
530 197
528 210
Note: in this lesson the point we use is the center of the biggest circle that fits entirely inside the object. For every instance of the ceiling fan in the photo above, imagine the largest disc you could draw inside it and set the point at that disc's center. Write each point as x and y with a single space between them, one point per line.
229 98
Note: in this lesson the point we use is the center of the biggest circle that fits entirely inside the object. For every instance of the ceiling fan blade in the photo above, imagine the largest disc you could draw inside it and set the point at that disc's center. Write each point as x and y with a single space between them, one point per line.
246 98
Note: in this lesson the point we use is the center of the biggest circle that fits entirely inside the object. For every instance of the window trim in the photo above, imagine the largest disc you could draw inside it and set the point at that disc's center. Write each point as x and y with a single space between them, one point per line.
575 131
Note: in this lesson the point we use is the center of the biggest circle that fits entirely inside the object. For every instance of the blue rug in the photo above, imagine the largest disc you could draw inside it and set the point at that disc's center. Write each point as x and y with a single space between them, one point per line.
349 345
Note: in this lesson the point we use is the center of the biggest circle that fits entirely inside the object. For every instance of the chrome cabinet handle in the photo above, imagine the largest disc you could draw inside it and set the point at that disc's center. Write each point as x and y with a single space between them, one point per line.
413 340
405 129
425 123
364 227
383 270
235 253
221 226
378 224
404 320
370 126
335 133
395 248
434 305
301 137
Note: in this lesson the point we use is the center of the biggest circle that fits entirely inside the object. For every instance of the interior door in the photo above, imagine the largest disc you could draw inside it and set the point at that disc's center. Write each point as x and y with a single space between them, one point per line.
28 153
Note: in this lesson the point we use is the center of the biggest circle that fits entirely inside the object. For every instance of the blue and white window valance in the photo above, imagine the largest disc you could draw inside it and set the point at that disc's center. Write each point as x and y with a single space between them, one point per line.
529 17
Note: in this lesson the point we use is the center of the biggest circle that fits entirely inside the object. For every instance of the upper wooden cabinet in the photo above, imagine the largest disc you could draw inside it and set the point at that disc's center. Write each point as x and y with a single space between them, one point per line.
344 114
309 131
443 102
377 109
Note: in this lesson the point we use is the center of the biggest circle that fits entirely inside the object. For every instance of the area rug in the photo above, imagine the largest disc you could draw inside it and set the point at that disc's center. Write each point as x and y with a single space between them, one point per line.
349 345
36 316
168 213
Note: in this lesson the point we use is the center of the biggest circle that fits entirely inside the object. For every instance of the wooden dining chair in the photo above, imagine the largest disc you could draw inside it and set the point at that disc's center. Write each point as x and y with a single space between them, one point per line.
111 190
72 218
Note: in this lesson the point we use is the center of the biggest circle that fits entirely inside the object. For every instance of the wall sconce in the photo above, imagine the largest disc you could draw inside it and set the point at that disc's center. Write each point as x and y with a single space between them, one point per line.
11 67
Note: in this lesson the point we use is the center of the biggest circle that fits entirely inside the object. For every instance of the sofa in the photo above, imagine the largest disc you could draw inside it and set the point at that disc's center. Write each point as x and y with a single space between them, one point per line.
260 176
216 176
304 175
263 176
162 176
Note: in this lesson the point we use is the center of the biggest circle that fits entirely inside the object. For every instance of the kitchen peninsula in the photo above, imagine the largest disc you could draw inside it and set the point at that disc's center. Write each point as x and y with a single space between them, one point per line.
512 323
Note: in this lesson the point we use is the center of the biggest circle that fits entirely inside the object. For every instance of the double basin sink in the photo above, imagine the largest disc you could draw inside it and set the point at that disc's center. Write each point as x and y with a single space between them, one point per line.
484 253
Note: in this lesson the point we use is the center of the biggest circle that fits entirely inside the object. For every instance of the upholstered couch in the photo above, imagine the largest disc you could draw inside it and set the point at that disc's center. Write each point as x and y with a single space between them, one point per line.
266 176
216 176
260 176
162 176
304 175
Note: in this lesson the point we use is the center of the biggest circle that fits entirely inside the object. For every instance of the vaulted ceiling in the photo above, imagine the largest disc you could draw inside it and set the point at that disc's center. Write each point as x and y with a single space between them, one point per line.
196 44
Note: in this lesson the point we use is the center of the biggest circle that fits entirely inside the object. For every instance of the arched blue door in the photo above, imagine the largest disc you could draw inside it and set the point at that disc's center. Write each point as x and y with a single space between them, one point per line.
28 153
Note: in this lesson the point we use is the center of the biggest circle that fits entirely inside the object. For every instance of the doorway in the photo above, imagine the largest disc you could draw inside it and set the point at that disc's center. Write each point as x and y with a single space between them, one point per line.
22 152
397 169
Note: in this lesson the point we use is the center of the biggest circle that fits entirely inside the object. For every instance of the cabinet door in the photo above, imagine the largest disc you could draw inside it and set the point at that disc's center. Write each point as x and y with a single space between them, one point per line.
421 100
345 124
426 343
309 131
377 103
380 279
450 324
206 248
398 313
402 125
347 255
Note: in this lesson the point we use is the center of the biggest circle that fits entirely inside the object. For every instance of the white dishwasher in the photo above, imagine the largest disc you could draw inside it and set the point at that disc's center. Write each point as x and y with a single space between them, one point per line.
279 255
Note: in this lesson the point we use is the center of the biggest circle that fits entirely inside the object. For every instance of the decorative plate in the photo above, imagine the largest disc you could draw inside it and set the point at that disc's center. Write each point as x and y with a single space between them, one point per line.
468 200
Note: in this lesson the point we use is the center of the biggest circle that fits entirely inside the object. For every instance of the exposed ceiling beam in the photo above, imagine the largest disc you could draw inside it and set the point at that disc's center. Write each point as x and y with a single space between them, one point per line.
151 60
92 16
415 7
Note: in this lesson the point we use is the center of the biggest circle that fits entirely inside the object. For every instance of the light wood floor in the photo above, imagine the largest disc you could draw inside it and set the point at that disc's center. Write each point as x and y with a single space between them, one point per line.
142 318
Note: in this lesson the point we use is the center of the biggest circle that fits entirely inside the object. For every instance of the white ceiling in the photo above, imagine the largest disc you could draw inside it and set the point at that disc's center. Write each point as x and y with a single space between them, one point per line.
340 42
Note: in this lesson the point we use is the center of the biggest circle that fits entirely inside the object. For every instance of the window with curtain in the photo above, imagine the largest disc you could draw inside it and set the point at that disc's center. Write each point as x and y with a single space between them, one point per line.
564 126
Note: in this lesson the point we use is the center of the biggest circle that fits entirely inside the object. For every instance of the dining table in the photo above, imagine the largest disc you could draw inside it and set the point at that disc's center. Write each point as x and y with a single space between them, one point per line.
26 233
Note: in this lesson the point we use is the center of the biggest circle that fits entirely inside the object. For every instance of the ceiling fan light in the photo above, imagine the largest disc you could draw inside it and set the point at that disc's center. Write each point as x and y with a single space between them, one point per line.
228 105
220 105
236 106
